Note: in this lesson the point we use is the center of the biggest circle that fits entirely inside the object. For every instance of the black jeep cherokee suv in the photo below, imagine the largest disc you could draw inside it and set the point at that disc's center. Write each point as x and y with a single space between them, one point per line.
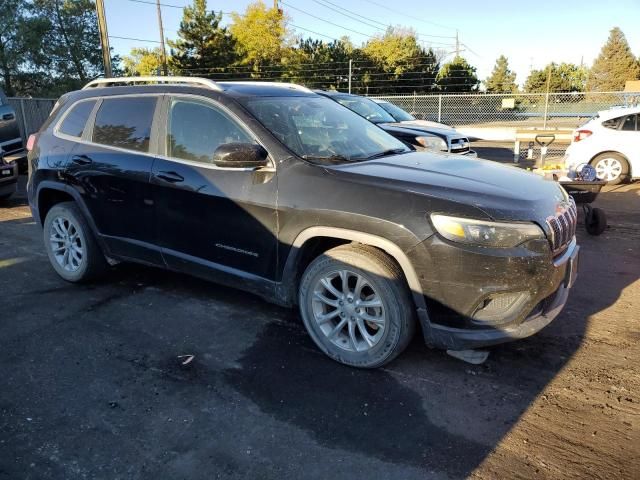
289 195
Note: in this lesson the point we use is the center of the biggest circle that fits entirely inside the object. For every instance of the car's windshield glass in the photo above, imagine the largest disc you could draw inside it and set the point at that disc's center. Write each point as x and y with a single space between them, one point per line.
318 129
366 108
396 112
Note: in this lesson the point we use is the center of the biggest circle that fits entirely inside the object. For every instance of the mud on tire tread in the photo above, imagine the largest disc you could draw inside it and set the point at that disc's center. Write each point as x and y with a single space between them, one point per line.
391 285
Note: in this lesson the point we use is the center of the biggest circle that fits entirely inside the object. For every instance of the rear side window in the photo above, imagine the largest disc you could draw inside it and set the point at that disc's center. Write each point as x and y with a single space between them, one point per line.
612 123
125 123
196 130
75 121
629 123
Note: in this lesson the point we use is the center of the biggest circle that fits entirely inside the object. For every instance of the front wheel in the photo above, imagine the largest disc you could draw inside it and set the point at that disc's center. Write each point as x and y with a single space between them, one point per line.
611 167
70 244
356 306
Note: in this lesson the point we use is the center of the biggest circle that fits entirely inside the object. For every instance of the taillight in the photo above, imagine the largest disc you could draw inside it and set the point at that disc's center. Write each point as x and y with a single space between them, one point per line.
581 135
31 141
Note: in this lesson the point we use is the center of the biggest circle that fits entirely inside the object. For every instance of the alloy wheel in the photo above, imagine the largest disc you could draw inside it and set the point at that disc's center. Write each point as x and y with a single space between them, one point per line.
66 244
349 311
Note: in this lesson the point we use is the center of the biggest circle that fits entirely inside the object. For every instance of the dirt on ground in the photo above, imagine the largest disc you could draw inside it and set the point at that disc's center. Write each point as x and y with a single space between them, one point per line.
92 383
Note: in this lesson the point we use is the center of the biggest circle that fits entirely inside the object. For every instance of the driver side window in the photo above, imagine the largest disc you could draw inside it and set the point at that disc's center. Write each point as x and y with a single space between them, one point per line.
196 129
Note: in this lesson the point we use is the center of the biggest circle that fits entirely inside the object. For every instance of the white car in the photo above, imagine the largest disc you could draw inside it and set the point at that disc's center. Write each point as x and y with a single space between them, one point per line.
610 142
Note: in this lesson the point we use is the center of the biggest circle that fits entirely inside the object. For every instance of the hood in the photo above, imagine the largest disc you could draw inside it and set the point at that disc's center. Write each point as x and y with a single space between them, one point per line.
502 192
427 124
420 130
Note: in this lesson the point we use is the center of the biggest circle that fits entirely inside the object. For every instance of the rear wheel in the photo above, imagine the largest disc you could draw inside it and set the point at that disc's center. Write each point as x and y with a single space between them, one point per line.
356 306
611 167
72 249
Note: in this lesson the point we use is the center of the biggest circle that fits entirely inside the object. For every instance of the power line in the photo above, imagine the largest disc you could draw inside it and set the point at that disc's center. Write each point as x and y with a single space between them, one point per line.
351 17
326 21
351 12
316 33
409 16
134 39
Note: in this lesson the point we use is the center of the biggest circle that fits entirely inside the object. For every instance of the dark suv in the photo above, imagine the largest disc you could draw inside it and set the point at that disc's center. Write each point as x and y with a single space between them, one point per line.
289 195
10 148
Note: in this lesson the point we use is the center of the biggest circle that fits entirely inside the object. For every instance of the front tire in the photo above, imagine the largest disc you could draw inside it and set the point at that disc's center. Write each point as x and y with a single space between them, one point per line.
356 306
611 167
72 249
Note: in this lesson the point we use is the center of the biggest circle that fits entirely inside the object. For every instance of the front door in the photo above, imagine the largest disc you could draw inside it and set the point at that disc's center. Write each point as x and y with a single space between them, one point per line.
214 222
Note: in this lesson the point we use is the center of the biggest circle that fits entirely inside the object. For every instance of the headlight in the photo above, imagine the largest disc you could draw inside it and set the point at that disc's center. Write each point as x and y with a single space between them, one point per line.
433 143
486 234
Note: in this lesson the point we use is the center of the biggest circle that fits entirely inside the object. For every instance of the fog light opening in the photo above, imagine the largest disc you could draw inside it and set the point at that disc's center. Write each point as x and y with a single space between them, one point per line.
500 308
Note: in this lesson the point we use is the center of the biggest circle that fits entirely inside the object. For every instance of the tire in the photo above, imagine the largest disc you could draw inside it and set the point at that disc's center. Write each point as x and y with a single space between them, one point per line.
5 196
71 247
595 222
359 336
611 167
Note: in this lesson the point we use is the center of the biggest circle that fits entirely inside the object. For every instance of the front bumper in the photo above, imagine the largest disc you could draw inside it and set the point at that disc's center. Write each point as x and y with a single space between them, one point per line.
469 280
8 177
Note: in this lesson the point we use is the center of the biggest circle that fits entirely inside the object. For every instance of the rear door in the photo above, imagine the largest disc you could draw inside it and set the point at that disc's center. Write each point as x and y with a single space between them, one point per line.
110 168
214 222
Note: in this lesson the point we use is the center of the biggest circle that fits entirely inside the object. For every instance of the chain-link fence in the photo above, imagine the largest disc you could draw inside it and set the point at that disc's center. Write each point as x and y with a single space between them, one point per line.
31 113
521 110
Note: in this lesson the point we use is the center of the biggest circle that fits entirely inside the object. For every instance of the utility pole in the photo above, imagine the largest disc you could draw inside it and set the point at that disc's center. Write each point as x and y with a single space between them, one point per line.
457 45
104 38
350 64
163 53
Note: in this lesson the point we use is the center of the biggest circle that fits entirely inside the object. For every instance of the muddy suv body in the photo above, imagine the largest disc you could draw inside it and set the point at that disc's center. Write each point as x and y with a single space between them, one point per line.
281 192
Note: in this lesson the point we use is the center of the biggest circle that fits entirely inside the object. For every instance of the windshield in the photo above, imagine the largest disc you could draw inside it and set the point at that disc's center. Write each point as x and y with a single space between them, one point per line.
366 108
317 128
396 112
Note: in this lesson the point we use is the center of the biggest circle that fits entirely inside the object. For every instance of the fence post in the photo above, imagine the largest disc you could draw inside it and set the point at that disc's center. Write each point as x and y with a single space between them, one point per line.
350 63
546 110
440 108
25 133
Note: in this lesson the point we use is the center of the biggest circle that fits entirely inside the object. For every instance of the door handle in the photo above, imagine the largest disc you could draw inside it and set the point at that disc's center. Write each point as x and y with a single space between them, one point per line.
81 159
171 177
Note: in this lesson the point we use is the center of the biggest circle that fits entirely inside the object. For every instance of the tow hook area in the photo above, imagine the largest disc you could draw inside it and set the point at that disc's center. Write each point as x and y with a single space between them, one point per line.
476 357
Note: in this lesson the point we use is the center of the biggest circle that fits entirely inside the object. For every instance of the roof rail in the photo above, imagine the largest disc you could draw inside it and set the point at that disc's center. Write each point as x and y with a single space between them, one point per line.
105 82
293 86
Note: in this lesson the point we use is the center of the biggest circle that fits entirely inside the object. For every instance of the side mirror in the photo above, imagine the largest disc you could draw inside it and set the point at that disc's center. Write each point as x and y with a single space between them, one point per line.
240 155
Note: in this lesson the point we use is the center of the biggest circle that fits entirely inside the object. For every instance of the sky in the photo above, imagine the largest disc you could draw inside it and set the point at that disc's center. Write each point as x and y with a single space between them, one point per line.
530 34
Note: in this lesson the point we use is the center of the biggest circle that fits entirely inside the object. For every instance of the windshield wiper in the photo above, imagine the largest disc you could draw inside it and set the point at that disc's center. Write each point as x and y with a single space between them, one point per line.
385 153
327 158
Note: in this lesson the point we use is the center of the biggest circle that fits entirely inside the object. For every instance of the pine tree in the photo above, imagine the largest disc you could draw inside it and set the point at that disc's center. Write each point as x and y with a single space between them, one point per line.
203 47
502 79
457 76
614 66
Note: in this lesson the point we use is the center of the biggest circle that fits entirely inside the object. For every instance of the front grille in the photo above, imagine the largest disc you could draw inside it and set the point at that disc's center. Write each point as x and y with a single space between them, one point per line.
563 226
459 145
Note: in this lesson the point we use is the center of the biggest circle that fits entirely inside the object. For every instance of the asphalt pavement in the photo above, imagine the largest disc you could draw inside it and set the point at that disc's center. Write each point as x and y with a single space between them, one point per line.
93 386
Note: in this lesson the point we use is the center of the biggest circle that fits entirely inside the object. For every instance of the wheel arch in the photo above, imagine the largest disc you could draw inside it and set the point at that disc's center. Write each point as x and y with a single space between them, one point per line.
337 236
51 193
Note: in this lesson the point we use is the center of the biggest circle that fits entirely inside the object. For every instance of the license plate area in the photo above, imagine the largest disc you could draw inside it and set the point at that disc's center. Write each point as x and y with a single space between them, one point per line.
6 172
